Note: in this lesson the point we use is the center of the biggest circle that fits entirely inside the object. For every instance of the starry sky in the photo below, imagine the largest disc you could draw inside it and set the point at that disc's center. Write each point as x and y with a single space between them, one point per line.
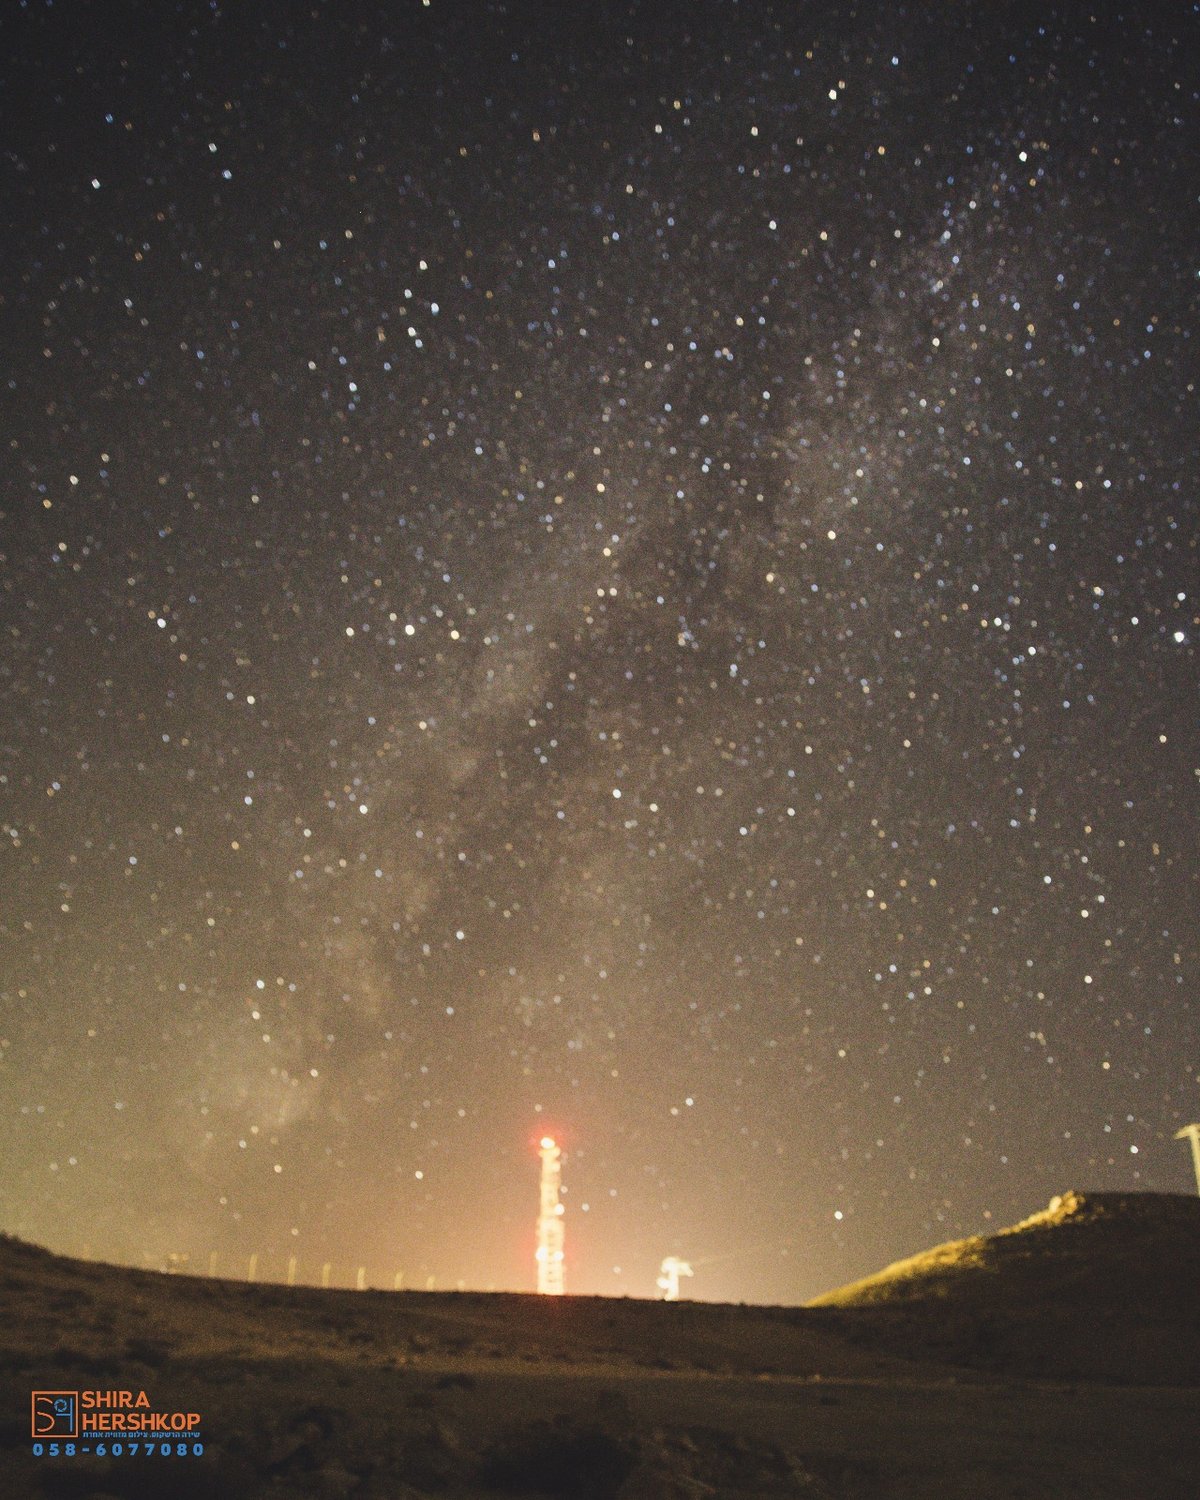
621 570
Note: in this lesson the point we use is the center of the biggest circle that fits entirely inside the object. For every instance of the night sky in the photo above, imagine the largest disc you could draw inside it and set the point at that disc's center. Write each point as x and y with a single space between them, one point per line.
624 570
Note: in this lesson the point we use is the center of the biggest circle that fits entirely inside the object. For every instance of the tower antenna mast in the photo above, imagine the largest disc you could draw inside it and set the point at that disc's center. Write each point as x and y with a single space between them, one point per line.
668 1277
550 1222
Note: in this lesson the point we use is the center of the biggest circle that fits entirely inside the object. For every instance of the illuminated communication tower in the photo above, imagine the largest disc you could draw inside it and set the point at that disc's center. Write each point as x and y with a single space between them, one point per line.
550 1222
668 1277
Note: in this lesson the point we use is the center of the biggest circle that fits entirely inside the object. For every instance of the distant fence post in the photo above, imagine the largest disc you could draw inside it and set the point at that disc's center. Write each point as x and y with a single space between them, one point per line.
361 1282
325 1270
252 1268
291 1270
399 1281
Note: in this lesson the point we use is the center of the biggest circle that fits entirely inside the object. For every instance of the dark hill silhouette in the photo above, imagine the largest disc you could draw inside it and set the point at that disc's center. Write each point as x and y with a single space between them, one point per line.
943 1376
1103 1285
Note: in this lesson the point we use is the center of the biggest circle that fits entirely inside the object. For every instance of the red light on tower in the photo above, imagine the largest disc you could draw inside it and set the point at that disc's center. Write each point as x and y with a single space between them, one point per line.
550 1221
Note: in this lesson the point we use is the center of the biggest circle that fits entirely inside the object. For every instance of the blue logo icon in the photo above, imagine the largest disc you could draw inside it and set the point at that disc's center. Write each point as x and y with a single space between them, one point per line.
55 1414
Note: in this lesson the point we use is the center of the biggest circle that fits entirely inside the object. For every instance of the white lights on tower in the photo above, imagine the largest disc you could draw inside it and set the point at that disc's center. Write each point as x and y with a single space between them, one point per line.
550 1222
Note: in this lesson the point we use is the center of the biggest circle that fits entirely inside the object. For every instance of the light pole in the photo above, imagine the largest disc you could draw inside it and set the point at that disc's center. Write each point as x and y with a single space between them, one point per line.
1192 1133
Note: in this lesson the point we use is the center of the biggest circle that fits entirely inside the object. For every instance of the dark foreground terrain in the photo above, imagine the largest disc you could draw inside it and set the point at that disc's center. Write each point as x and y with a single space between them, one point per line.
1058 1359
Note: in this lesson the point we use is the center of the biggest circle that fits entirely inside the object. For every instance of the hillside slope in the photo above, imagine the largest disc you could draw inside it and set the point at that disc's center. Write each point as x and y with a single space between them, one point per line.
937 1378
1104 1285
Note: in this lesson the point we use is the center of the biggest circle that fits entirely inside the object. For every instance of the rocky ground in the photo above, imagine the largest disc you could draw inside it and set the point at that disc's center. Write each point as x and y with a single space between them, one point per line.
1057 1359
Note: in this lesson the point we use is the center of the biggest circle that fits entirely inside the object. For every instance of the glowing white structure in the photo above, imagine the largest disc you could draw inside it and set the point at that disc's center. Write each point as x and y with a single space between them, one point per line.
669 1273
1192 1133
550 1222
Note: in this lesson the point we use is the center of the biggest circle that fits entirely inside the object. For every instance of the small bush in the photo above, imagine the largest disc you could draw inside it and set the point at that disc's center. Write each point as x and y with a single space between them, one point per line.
561 1459
148 1351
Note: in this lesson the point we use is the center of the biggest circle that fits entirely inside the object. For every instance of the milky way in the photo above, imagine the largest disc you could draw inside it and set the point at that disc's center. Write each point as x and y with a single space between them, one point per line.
619 570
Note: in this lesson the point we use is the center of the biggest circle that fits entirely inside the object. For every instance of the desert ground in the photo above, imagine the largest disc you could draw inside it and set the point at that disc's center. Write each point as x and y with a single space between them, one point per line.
1056 1360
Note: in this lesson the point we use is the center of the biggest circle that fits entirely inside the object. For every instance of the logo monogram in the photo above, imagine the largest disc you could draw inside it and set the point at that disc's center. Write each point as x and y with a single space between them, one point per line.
55 1414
